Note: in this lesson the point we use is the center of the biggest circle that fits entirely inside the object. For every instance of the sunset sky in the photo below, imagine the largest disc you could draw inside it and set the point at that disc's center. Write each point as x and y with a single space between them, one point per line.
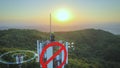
82 13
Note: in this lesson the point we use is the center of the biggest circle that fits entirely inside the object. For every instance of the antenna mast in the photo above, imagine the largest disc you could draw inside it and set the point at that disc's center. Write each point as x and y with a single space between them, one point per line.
50 23
52 37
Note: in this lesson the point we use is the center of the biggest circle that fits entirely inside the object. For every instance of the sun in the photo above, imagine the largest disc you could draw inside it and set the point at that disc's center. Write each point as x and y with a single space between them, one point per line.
63 15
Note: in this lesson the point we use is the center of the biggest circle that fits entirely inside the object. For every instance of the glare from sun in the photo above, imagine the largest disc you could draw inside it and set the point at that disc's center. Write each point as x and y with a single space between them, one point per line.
63 15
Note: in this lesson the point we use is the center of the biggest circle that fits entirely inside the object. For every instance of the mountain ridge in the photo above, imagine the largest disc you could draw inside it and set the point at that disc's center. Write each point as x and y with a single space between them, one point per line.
92 47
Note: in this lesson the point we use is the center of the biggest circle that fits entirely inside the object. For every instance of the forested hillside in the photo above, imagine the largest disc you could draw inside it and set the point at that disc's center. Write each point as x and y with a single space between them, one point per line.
93 48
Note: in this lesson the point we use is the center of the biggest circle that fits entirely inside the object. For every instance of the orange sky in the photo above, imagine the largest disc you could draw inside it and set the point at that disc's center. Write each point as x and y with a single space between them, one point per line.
36 12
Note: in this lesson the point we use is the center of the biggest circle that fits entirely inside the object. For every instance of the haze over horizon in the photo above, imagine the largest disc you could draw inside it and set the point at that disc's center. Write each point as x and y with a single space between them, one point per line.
82 14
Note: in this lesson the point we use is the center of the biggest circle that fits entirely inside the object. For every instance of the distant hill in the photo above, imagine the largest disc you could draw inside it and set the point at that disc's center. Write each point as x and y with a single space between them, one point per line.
21 38
92 46
92 42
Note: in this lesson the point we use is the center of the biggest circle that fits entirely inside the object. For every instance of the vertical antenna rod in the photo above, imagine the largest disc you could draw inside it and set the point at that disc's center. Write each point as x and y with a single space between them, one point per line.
52 37
50 23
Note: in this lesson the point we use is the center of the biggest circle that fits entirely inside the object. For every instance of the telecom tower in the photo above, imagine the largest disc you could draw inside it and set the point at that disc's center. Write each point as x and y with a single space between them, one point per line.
59 58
